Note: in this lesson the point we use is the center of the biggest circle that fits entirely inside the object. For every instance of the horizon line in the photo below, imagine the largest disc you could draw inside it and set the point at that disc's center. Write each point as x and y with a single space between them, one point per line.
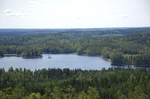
81 27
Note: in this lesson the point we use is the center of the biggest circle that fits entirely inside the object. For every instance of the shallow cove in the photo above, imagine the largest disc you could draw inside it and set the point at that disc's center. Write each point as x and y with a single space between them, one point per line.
71 61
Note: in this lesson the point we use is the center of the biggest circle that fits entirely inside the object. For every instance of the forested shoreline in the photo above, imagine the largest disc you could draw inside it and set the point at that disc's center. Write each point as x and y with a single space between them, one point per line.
129 49
75 84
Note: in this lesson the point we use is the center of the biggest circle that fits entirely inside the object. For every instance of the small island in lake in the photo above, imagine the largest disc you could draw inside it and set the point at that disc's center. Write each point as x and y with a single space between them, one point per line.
1 55
30 53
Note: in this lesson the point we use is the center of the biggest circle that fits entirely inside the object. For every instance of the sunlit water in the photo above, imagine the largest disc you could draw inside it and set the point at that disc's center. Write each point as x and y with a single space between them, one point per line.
71 61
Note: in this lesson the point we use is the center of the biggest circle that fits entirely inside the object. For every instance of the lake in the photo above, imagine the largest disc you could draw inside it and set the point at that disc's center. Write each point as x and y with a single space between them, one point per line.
71 61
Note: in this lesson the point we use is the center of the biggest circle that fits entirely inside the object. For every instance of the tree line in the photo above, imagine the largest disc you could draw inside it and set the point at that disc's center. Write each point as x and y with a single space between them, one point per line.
128 50
75 84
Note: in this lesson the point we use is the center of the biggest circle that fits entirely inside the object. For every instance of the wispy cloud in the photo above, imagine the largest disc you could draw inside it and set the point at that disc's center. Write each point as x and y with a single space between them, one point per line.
33 3
6 11
9 12
124 16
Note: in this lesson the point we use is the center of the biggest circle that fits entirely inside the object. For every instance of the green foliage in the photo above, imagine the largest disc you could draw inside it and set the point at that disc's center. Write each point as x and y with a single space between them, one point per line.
128 50
75 84
1 54
122 50
31 53
117 59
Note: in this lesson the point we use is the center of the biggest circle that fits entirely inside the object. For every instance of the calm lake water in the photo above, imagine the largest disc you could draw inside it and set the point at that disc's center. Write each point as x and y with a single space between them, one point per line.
71 61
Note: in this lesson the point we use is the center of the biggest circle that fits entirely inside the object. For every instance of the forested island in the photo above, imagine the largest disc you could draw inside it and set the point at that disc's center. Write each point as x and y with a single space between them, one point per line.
123 46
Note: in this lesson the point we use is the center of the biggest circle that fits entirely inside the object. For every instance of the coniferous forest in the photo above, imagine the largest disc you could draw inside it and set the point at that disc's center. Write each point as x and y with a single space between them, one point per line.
122 47
119 45
75 84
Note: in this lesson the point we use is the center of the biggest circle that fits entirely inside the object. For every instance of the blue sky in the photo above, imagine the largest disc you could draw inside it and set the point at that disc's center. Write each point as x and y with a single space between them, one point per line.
74 13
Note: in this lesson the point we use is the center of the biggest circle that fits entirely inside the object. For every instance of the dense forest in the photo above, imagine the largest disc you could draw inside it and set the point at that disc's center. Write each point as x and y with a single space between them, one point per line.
118 45
75 84
123 47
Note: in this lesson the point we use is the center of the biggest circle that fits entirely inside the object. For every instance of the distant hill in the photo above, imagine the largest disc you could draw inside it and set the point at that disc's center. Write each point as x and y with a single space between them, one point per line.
85 32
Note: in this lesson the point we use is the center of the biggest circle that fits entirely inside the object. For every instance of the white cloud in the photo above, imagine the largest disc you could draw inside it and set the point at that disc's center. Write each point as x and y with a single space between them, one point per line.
9 12
75 13
16 14
33 3
125 16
